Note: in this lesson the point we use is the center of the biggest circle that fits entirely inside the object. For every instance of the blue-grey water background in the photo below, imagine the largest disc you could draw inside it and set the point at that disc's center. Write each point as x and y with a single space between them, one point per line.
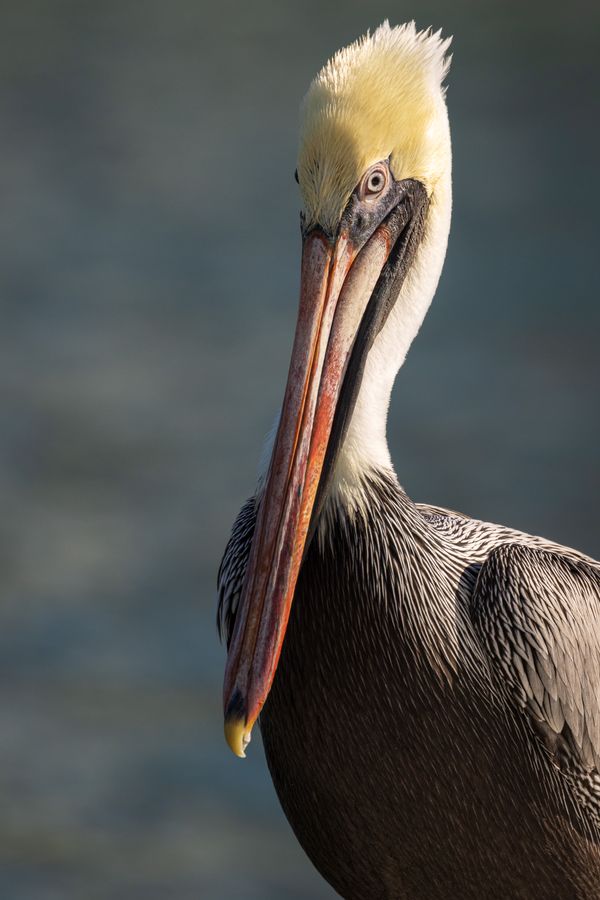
149 275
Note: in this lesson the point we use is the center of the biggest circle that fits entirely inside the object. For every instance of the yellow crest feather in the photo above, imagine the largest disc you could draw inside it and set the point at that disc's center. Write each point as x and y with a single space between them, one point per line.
377 98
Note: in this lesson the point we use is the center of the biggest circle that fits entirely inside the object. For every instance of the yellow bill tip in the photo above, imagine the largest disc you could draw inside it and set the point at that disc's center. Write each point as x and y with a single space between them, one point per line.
237 735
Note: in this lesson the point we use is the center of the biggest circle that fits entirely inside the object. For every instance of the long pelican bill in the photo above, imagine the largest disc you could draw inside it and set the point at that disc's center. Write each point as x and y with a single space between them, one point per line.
345 289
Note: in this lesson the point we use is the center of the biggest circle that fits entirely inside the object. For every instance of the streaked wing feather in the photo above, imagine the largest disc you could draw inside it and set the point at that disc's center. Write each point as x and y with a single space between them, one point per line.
233 568
537 613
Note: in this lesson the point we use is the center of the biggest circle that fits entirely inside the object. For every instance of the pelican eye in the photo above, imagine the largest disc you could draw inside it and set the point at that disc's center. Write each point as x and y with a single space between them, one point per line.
374 182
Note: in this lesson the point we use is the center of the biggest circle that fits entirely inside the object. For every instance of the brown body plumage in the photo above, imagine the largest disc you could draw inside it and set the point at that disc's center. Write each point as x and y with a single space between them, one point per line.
406 763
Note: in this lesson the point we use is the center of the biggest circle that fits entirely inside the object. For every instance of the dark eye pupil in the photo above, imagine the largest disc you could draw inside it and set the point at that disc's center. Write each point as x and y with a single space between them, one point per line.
375 182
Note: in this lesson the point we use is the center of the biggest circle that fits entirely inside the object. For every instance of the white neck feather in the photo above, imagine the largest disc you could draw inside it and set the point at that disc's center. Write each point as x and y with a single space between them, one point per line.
365 446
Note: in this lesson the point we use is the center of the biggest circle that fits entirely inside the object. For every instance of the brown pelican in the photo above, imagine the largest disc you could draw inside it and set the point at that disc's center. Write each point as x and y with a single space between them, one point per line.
432 719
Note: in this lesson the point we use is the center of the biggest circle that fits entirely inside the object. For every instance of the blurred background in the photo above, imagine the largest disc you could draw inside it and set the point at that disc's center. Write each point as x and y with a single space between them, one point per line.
149 274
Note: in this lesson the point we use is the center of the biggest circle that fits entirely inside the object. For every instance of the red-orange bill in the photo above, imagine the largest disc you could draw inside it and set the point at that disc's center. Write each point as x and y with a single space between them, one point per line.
336 283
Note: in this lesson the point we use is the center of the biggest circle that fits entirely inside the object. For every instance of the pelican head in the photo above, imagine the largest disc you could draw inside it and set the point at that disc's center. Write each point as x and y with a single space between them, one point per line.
378 103
374 169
